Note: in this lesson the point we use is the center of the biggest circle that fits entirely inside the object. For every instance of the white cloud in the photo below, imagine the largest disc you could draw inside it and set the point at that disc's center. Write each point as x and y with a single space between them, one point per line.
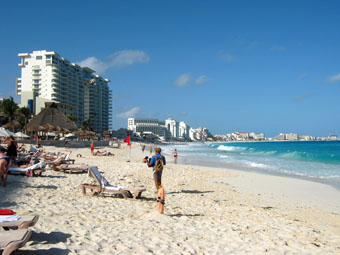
128 114
128 57
95 64
187 79
334 78
183 80
202 79
227 57
118 59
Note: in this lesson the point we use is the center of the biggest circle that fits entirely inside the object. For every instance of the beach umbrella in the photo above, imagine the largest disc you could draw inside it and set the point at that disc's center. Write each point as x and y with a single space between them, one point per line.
5 132
70 135
21 135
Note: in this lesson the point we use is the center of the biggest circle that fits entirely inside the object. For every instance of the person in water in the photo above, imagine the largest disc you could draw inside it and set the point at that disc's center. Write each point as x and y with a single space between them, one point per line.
175 156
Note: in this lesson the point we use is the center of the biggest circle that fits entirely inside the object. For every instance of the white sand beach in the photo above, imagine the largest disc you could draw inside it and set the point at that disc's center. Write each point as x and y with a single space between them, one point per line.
207 211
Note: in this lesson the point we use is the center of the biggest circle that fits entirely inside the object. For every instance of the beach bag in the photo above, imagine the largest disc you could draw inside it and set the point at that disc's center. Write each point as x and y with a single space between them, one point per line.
159 164
29 173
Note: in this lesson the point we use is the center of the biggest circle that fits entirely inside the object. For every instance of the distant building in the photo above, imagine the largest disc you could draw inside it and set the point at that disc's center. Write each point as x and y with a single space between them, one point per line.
256 136
240 136
140 125
292 137
306 138
173 127
333 137
48 77
183 130
168 129
199 134
121 133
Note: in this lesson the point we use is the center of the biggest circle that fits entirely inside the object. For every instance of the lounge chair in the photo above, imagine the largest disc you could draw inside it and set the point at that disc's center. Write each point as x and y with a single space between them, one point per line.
36 169
102 186
13 240
66 168
24 221
60 160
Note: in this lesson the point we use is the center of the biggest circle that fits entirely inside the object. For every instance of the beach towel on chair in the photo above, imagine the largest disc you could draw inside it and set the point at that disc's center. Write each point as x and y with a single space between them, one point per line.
6 212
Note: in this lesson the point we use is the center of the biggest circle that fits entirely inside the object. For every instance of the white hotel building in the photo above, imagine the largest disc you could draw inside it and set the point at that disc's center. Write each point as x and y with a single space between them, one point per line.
169 128
46 77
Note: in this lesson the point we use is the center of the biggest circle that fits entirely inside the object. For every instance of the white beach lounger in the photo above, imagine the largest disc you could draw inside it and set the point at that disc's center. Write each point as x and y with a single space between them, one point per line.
36 168
102 186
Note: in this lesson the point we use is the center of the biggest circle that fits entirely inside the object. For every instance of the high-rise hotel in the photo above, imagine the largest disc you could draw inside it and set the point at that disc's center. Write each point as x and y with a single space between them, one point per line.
46 77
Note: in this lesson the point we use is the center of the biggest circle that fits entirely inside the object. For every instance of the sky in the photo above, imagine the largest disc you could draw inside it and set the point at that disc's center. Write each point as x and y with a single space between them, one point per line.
255 66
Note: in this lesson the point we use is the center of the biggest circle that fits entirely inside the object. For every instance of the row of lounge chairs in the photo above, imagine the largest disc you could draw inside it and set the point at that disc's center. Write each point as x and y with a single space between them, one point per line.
17 233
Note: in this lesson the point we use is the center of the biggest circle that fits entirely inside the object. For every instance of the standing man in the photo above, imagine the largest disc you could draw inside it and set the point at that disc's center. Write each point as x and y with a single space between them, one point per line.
157 162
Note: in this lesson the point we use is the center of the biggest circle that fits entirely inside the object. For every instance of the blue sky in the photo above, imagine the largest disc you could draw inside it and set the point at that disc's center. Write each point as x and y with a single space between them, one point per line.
263 66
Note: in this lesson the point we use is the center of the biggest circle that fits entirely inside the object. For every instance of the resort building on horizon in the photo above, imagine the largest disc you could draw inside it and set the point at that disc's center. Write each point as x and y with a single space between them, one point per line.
48 77
167 129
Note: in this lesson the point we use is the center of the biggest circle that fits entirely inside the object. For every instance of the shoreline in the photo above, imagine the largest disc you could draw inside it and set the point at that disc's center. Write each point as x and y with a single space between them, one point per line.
298 188
327 196
206 162
335 183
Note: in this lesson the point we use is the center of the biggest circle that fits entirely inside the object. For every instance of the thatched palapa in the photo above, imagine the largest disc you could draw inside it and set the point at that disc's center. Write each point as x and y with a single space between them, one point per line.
50 117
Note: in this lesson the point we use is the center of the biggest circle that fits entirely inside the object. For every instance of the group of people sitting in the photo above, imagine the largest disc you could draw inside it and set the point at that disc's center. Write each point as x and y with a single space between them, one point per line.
32 161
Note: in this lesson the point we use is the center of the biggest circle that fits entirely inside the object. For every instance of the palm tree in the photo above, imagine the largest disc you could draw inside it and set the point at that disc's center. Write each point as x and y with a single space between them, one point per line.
74 119
8 108
86 125
24 115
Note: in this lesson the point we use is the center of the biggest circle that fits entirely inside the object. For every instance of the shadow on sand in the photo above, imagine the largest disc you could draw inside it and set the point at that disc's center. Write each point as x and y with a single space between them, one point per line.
42 187
185 215
51 251
49 238
190 191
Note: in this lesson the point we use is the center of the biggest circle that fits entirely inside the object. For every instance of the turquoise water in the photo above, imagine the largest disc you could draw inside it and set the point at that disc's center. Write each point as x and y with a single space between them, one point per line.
316 159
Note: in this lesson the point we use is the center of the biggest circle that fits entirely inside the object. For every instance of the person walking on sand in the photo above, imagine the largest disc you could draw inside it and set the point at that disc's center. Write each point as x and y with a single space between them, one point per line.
157 162
150 150
5 163
175 156
92 147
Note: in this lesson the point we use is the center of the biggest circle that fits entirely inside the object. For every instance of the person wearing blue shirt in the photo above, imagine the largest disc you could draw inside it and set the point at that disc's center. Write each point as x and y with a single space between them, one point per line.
157 175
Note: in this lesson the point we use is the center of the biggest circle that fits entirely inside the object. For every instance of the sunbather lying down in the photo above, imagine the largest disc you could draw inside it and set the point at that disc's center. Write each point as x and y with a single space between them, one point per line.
103 153
71 168
29 169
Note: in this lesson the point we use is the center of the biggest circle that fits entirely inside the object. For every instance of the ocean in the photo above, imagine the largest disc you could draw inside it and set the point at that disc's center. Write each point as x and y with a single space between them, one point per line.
313 160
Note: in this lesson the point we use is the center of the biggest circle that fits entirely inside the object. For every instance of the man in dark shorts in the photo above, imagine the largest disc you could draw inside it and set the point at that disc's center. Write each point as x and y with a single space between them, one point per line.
157 175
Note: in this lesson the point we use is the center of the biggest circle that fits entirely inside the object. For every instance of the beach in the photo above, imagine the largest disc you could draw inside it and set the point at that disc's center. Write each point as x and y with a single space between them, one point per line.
208 210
